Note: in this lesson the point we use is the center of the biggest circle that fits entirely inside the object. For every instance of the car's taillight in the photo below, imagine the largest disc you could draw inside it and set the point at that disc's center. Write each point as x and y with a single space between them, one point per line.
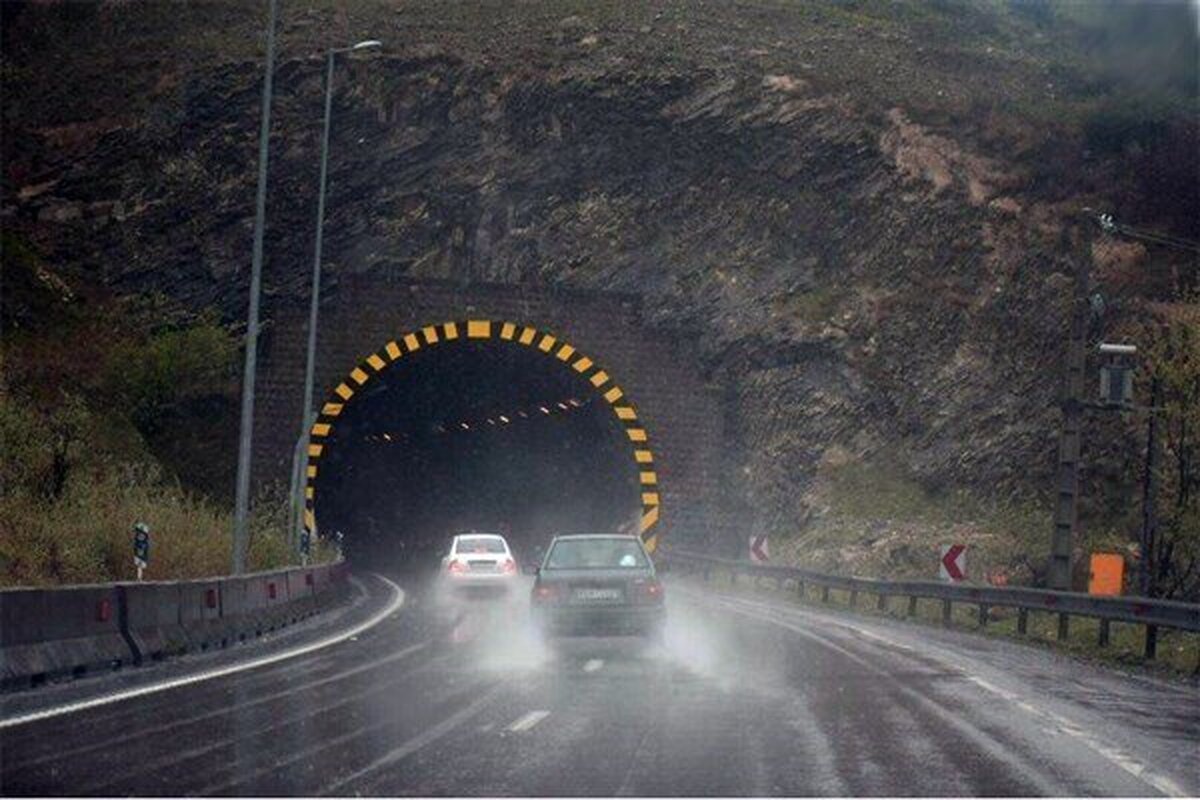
650 591
509 567
457 567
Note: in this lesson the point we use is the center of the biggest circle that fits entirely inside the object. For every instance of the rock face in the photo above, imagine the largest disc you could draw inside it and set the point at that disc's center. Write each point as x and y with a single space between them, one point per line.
851 276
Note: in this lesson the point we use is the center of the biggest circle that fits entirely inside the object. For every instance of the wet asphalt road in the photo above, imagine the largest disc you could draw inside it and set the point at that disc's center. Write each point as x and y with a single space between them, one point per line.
745 697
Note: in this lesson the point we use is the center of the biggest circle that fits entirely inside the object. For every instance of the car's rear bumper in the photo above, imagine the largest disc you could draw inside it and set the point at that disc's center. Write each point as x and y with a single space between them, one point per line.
599 620
485 584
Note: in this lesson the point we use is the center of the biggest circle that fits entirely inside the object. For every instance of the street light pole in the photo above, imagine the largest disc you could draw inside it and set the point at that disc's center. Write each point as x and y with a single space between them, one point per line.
242 502
308 416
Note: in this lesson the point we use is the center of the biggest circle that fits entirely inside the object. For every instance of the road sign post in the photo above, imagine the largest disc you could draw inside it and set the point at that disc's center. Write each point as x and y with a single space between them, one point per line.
141 547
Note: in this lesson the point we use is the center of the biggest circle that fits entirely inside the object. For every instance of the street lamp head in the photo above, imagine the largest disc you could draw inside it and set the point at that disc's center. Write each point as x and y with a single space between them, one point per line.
367 44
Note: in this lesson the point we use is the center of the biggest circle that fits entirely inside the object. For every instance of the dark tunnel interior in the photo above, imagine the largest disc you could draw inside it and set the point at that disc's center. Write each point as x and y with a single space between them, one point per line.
466 436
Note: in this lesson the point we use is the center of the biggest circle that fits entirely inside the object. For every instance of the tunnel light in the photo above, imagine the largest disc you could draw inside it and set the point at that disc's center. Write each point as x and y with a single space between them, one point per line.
465 426
504 419
563 406
491 421
544 409
387 436
522 415
574 402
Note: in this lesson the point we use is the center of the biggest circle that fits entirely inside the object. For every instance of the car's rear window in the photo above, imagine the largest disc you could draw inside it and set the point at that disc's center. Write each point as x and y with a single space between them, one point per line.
479 544
596 554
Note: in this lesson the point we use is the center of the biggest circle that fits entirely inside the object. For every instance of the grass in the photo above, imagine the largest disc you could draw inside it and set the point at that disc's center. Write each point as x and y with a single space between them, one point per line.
875 519
1178 652
85 536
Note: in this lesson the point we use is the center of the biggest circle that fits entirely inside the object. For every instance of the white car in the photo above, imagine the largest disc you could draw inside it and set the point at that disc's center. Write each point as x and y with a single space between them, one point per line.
479 563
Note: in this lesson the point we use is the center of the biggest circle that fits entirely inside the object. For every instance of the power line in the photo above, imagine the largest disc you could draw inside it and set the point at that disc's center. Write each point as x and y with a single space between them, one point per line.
1111 226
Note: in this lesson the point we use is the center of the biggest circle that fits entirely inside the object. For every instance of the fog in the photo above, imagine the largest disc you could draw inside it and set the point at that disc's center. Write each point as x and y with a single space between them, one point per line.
496 635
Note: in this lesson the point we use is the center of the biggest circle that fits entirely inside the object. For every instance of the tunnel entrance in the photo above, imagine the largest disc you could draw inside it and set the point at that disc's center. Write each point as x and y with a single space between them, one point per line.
515 433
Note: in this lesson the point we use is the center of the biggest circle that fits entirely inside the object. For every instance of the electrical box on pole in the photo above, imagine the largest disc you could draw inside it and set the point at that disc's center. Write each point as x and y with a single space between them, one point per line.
1116 375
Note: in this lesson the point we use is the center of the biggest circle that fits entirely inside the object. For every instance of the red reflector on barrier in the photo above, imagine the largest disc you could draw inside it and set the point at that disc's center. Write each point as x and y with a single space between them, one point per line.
210 598
103 611
271 590
308 581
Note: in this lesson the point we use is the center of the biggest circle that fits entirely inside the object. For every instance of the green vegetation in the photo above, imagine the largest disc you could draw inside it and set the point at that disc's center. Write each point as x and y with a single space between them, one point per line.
83 536
1171 347
109 417
877 520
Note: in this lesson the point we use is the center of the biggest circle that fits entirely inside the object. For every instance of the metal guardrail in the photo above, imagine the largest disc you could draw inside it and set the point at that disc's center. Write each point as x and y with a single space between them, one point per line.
1137 610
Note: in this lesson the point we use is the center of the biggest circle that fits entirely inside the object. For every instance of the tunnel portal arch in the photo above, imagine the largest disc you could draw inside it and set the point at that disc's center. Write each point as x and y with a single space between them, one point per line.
503 334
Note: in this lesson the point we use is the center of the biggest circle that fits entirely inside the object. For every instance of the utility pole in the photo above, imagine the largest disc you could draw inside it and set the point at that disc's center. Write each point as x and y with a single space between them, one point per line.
1067 479
1149 495
242 504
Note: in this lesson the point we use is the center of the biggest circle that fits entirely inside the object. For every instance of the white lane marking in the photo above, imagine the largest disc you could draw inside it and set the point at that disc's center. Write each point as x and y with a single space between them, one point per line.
393 606
429 736
225 710
1112 754
528 721
996 690
593 664
1105 750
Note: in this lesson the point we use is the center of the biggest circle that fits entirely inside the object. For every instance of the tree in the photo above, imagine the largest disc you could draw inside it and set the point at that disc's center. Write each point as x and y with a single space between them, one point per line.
1173 357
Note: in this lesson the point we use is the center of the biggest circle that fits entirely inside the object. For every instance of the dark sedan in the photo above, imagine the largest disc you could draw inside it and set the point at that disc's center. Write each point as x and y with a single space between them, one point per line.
598 585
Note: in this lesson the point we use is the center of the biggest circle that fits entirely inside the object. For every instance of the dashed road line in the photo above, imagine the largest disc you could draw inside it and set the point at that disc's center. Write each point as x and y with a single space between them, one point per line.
528 721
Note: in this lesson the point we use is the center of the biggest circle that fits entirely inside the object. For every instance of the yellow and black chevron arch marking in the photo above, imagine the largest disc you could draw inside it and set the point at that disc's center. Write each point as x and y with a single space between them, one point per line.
504 333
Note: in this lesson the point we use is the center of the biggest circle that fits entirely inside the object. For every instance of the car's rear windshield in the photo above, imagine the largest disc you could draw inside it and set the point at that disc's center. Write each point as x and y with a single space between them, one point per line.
479 544
615 553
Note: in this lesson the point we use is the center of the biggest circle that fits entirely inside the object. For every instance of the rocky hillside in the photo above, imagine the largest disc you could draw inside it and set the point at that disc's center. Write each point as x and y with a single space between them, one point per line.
855 209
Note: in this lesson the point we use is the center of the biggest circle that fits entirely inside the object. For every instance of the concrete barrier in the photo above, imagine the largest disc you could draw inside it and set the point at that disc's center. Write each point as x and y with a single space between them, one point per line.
51 633
154 619
200 614
48 633
301 591
280 611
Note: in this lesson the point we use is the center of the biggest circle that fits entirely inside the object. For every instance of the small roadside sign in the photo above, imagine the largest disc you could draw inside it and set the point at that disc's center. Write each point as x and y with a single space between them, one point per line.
759 552
1106 576
953 564
141 547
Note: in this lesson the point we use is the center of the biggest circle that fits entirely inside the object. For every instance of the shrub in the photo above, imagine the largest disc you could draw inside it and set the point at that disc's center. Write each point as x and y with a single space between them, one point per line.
153 377
85 535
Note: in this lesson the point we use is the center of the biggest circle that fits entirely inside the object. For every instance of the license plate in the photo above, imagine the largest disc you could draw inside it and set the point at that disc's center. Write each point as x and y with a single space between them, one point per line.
597 595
